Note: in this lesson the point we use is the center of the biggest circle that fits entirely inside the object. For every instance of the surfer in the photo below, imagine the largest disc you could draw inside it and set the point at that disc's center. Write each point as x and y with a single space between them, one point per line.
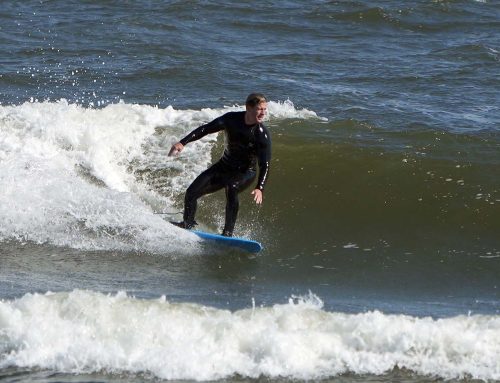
247 142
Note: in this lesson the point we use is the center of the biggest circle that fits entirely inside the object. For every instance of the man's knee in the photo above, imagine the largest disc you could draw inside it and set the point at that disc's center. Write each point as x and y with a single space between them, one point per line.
195 190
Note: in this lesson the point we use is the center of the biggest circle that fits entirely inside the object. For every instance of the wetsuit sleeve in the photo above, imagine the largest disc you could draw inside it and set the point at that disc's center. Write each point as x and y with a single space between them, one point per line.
263 139
212 127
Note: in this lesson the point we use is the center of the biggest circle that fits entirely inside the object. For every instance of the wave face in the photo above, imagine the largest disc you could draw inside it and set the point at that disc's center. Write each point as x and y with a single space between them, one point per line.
93 178
85 332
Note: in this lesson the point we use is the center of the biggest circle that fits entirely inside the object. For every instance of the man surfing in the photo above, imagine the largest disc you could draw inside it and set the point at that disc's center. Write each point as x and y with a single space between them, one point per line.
247 142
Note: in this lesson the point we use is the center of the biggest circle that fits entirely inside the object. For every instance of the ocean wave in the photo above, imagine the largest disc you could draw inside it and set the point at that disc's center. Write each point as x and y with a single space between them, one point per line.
92 178
474 53
368 15
436 16
85 332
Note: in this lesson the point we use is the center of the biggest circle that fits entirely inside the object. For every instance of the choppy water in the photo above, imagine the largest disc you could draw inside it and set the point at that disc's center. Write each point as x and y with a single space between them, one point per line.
381 220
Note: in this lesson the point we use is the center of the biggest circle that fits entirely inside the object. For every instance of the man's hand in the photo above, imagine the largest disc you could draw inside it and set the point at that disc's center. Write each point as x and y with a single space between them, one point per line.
175 149
257 196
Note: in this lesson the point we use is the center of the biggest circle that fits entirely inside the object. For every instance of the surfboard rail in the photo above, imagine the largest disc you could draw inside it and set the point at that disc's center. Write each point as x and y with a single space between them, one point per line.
245 244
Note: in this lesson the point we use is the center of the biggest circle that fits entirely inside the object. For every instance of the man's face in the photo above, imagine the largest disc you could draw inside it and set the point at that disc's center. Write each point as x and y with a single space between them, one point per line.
258 112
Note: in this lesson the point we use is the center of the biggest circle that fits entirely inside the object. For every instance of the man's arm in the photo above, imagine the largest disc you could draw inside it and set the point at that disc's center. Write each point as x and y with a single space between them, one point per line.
212 127
264 158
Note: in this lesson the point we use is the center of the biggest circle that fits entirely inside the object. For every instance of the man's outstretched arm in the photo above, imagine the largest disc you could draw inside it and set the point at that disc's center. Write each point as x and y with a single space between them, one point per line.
212 127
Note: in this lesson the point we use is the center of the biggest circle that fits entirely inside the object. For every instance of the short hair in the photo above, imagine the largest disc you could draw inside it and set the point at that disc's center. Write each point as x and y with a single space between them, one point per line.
255 99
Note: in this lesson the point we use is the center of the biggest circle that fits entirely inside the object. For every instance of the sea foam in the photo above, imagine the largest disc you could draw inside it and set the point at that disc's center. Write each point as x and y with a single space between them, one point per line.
83 332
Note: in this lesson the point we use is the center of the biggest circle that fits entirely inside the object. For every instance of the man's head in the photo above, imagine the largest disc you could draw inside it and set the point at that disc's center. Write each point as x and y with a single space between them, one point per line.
256 108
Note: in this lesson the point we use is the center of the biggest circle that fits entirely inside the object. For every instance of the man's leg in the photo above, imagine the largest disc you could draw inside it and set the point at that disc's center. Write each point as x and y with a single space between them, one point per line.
232 207
239 183
207 182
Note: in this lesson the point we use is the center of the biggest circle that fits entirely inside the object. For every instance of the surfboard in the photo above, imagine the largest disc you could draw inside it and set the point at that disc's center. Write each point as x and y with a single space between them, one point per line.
245 244
234 242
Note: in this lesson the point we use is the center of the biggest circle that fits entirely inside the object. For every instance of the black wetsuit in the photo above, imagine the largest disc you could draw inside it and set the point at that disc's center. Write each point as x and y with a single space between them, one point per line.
236 170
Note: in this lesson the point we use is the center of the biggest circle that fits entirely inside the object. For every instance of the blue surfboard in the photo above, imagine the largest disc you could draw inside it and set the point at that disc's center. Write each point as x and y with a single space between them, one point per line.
235 242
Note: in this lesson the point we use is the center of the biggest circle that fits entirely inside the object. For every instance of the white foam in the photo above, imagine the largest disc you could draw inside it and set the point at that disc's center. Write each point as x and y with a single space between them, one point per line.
286 109
83 331
67 173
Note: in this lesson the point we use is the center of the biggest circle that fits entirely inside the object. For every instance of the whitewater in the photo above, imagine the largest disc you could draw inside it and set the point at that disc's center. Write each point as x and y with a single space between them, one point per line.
84 332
